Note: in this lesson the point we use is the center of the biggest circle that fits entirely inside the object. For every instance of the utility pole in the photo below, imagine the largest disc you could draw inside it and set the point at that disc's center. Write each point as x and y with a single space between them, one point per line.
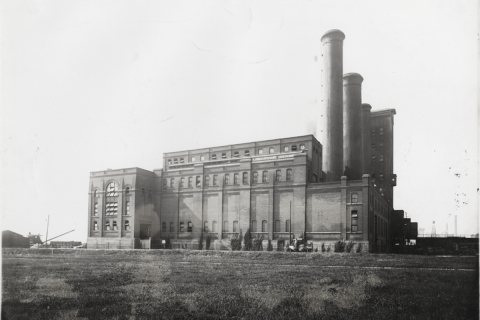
290 226
46 237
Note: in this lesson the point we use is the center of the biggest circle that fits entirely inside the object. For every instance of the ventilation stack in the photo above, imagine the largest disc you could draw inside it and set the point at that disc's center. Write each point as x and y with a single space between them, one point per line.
352 126
366 138
332 106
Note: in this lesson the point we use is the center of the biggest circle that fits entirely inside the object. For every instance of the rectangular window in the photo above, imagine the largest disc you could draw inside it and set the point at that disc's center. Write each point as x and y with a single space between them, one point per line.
235 178
164 227
224 155
277 226
354 198
205 226
286 149
255 177
190 226
294 147
207 181
271 150
214 156
182 227
190 181
235 226
169 161
165 183
247 153
264 226
302 147
236 154
215 180
115 225
245 178
175 160
278 175
225 226
227 179
198 182
193 159
181 160
260 151
107 225
172 229
287 226
354 220
264 176
202 158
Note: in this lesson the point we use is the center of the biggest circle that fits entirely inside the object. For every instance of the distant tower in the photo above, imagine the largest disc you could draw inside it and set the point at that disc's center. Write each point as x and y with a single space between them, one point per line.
434 232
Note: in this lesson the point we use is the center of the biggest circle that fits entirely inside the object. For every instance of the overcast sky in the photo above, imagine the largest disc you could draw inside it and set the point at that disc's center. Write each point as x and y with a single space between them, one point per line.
91 85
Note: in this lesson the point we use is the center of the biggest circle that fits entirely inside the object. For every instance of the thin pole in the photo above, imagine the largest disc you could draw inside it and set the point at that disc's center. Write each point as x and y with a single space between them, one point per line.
290 226
48 221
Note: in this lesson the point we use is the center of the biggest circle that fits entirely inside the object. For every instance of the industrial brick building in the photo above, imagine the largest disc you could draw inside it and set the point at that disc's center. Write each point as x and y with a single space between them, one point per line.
338 189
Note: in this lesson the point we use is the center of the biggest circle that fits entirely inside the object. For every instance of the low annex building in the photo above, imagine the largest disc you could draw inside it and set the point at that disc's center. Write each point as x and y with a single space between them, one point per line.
340 189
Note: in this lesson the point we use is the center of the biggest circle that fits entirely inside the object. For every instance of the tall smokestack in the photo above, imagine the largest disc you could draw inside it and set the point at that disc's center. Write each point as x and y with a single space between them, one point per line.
366 139
352 125
332 107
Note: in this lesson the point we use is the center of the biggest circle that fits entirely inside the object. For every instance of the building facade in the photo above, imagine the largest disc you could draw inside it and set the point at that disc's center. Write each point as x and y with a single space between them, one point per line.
274 188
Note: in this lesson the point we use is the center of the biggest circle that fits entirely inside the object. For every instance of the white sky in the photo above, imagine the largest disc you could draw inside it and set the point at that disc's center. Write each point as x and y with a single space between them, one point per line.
91 85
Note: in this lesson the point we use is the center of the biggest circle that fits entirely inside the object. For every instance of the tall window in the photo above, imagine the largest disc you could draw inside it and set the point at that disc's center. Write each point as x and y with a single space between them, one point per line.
271 150
165 183
198 182
172 228
247 153
277 226
95 225
224 155
182 226
381 130
302 147
127 208
354 198
190 182
236 154
265 176
215 180
260 151
95 209
264 226
235 178
172 183
214 226
294 147
227 179
287 226
285 149
111 206
235 226
190 226
278 175
254 226
164 227
255 177
225 226
202 158
289 174
245 178
207 181
182 182
205 226
354 220
107 225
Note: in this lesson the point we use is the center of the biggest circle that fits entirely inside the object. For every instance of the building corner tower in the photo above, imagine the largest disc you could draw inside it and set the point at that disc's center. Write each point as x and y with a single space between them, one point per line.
331 121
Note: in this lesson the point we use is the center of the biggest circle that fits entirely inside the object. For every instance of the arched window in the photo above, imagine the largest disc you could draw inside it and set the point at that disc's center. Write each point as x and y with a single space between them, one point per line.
164 227
354 198
278 175
182 182
287 226
264 226
254 226
127 191
235 178
289 174
227 179
245 178
205 226
265 176
111 203
190 182
182 229
225 226
172 183
260 151
285 149
235 226
127 225
207 181
255 177
215 180
198 182
114 225
95 225
302 147
214 226
277 226
294 147
190 226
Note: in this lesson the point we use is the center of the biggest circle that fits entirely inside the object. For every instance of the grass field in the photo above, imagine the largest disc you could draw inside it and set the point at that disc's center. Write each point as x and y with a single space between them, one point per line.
182 284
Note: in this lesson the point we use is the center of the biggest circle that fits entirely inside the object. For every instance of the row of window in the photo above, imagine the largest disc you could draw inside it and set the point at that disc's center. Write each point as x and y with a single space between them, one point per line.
236 154
263 227
113 226
380 131
236 179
